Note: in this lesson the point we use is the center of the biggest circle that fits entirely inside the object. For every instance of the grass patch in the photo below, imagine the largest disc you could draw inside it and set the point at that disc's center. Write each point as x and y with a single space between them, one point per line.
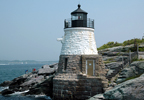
136 59
109 60
133 77
106 62
127 42
130 78
141 48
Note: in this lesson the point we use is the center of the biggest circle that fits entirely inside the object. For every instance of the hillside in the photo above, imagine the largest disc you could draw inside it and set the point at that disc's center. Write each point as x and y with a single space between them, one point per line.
125 43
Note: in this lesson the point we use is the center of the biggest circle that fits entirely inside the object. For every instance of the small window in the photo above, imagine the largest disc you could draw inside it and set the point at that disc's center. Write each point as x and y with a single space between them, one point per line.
66 60
77 17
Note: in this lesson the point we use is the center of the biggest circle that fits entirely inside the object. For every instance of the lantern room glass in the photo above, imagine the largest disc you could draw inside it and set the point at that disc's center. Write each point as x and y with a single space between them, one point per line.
77 17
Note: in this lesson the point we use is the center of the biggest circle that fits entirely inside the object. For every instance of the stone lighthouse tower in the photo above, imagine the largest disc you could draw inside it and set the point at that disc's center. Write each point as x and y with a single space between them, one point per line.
81 70
79 35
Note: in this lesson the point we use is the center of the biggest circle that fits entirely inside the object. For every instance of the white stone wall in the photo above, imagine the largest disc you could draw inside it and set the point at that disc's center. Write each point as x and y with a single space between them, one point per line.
78 41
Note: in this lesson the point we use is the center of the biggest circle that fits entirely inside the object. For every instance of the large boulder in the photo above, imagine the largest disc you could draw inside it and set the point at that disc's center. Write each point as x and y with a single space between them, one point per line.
38 82
114 69
16 82
113 65
43 88
130 90
5 83
34 80
134 70
7 92
112 53
118 48
97 97
46 71
45 66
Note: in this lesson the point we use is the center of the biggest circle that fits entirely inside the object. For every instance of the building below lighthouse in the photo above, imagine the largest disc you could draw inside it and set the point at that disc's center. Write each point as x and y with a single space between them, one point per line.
81 71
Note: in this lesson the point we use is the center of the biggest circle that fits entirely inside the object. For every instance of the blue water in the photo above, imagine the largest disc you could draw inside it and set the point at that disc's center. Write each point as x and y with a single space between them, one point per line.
9 72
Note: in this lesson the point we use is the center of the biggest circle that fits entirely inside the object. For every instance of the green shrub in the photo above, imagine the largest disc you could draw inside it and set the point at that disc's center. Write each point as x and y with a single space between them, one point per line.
110 45
127 42
141 48
106 62
136 59
133 77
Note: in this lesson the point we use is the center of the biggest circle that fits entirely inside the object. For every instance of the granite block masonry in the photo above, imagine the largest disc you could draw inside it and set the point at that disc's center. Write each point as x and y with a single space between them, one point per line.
81 71
73 83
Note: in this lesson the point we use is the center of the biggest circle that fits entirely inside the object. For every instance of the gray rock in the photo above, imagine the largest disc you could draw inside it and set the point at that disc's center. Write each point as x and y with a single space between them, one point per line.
5 83
135 69
44 88
118 48
112 84
120 58
97 97
45 66
129 90
16 83
41 78
6 92
114 69
55 66
139 64
113 65
112 53
106 58
110 72
46 71
32 81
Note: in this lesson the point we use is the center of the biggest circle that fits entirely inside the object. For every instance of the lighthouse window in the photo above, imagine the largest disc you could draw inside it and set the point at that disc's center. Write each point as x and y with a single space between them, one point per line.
66 60
77 17
74 17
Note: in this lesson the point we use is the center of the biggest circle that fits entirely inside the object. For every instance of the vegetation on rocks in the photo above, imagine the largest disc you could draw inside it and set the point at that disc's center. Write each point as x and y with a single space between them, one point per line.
129 90
125 70
109 45
127 42
133 77
136 59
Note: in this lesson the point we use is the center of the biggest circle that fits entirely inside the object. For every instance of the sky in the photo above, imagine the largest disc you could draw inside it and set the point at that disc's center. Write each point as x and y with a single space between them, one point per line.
29 28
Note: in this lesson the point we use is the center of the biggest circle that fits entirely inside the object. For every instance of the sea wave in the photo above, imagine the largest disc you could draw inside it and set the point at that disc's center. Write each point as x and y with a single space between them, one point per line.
18 96
4 64
40 97
3 88
18 93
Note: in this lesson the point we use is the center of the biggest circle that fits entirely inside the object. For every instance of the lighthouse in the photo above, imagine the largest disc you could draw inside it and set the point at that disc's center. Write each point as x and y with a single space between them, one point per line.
80 69
79 35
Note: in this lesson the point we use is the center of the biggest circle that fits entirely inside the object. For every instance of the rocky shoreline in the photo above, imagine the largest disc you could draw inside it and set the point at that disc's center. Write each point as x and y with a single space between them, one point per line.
125 75
126 78
35 83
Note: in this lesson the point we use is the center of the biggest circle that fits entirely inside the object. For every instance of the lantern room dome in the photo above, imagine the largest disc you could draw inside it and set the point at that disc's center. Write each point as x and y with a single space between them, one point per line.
79 10
79 19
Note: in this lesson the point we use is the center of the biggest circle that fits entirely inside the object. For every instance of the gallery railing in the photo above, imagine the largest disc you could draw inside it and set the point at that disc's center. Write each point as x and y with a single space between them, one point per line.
89 23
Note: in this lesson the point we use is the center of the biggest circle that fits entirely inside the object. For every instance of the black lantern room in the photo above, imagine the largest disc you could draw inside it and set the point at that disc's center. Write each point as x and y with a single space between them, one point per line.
79 19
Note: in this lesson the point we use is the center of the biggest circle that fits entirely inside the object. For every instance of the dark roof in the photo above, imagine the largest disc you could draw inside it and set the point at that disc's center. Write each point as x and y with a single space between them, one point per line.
79 10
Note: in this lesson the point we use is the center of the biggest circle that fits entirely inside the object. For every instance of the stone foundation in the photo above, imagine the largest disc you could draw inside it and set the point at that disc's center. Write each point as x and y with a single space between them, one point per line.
77 87
74 64
72 83
77 64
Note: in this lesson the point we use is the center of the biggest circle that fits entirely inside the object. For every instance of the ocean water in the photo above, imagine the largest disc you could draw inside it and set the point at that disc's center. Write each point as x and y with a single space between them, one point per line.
9 72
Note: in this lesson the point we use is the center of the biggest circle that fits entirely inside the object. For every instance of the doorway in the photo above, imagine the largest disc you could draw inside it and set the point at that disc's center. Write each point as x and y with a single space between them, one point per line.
90 67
